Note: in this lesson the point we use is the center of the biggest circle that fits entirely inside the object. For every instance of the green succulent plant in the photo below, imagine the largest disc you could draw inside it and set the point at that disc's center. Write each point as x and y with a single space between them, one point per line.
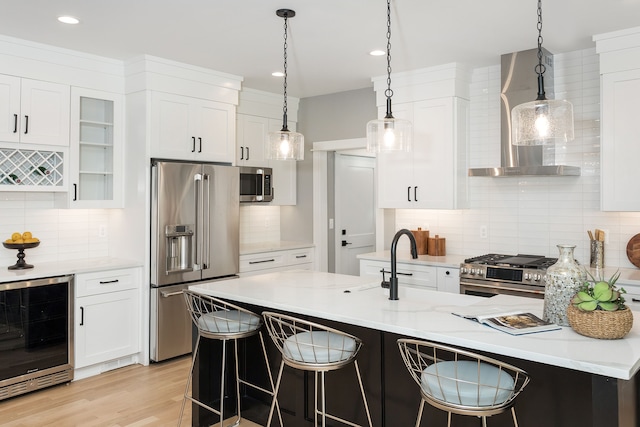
600 294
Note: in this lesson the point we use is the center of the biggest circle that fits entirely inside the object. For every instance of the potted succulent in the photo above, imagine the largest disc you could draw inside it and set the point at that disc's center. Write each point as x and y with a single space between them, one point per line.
598 310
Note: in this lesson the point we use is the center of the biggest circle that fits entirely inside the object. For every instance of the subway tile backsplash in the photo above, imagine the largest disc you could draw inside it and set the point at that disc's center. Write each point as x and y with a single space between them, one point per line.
531 215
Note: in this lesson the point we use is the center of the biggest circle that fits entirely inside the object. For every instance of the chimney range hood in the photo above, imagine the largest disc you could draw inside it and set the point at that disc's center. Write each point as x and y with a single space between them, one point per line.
519 85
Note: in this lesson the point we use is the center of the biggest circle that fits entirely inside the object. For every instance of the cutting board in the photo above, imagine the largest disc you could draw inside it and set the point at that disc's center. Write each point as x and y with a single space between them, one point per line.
633 250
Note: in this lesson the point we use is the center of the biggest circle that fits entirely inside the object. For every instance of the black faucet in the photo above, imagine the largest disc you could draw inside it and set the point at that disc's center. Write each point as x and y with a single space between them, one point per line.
393 281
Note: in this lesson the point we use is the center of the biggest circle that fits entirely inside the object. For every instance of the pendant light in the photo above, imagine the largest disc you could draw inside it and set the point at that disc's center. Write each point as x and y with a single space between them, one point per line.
543 121
284 144
389 133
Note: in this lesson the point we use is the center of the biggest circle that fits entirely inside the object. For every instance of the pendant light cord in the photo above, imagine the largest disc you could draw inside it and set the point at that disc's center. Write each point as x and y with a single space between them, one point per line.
540 68
284 108
388 93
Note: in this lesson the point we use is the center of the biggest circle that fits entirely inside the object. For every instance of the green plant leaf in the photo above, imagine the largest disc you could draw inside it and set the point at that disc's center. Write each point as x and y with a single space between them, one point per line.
583 296
588 305
602 291
609 306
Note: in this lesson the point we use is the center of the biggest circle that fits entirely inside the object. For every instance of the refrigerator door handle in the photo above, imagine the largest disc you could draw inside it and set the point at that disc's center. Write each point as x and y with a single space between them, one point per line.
206 222
197 184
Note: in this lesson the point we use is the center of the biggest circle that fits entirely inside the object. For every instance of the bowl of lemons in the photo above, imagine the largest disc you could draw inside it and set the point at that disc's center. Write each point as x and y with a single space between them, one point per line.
21 241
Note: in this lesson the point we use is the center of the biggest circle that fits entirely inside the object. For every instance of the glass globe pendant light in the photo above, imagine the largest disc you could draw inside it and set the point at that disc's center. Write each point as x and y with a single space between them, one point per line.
389 133
285 144
543 121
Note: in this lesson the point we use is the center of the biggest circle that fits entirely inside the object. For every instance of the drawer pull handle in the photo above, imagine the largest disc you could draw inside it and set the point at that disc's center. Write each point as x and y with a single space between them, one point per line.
260 262
301 256
383 271
105 282
81 316
635 299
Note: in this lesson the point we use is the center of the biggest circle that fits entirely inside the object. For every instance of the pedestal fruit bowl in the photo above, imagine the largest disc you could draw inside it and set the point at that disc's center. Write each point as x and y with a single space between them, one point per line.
598 310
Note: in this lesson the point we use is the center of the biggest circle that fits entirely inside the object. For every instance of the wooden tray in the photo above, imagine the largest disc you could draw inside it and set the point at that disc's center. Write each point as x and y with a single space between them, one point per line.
633 250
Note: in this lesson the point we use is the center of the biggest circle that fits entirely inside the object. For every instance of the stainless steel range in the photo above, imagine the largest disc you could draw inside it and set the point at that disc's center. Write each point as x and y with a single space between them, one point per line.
491 274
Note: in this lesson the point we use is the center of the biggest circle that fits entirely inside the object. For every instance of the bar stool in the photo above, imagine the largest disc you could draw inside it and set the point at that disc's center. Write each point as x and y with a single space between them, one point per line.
312 347
461 382
219 320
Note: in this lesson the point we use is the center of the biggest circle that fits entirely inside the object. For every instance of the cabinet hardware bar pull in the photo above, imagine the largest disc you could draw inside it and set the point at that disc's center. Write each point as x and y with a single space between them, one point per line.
415 193
170 294
301 256
635 299
260 262
383 271
193 138
26 124
247 153
81 316
200 147
104 282
408 194
241 153
75 192
15 123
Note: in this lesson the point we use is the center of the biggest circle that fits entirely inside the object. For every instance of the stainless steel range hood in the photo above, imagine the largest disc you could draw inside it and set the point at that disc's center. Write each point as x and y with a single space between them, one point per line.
519 85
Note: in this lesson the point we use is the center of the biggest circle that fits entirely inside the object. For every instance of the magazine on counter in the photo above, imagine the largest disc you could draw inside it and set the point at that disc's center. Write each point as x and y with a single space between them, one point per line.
514 322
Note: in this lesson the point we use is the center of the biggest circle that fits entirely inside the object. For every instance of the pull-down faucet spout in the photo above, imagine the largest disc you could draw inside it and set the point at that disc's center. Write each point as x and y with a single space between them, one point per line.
393 281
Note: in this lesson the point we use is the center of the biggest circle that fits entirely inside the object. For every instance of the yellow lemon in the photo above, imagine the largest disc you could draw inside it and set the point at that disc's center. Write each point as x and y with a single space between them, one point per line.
16 236
8 241
26 235
18 241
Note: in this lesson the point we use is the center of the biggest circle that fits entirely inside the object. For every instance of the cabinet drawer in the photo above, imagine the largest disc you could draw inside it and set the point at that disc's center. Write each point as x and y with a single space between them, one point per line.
262 261
300 256
105 281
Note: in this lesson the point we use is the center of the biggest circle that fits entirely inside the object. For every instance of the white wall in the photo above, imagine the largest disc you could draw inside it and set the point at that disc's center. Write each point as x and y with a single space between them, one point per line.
532 215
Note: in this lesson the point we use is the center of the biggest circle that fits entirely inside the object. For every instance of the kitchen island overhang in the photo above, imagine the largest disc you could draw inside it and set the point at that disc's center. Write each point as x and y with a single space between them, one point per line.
418 313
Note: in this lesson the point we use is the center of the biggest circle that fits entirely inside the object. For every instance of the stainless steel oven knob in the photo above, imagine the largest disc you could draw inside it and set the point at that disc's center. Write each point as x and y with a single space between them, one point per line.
527 276
537 278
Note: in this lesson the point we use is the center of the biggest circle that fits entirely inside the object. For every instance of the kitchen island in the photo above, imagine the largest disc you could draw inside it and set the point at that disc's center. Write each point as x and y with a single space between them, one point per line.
568 370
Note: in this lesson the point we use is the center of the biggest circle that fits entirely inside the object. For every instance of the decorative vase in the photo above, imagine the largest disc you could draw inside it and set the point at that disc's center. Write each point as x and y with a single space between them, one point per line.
562 281
606 325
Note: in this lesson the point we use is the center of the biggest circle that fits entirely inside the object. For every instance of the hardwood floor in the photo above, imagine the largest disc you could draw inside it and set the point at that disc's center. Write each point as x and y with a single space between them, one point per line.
133 396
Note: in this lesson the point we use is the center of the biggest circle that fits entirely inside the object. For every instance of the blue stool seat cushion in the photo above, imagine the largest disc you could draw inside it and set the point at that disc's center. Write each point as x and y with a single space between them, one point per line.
229 321
467 383
319 347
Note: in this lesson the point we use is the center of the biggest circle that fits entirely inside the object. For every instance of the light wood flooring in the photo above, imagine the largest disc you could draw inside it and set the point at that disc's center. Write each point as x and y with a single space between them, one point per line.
132 396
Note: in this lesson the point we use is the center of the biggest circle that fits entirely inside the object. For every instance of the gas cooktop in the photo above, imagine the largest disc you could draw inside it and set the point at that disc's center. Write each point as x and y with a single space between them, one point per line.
514 261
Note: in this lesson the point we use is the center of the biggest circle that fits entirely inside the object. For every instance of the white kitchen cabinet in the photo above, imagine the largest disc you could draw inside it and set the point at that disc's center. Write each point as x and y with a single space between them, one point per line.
96 152
107 316
34 111
449 279
186 128
251 136
619 148
271 261
433 174
445 279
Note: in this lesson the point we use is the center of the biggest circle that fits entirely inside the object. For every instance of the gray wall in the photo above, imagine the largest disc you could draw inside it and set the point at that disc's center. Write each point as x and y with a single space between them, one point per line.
341 115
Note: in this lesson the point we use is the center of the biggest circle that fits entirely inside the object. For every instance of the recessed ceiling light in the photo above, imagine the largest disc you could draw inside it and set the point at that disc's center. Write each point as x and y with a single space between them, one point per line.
377 53
68 20
277 74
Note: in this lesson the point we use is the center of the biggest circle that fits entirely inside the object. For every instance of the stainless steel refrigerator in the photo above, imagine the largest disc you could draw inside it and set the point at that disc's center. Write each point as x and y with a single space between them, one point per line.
194 237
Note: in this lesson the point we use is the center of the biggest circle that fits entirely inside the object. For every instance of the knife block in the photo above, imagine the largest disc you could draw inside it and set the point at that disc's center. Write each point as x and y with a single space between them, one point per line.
437 246
422 238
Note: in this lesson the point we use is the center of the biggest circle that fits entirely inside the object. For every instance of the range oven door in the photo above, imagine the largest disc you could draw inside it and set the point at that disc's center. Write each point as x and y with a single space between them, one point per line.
489 289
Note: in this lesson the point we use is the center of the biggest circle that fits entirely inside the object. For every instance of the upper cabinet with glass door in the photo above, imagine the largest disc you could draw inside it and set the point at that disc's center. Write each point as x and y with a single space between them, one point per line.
96 158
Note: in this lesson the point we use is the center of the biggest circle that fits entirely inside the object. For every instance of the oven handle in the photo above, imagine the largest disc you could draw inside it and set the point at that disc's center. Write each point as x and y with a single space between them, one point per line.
506 288
170 294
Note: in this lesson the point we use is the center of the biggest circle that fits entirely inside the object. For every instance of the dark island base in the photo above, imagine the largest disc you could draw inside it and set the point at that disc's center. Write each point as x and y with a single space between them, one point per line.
555 397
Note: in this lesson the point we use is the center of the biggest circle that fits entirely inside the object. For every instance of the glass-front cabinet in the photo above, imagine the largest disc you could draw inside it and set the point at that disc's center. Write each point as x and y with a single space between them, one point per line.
96 158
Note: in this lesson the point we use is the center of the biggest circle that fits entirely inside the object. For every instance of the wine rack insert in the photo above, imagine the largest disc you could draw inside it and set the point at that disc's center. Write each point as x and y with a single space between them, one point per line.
31 167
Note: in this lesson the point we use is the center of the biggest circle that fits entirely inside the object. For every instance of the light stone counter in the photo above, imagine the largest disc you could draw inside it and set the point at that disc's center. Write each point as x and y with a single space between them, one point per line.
427 314
452 261
52 269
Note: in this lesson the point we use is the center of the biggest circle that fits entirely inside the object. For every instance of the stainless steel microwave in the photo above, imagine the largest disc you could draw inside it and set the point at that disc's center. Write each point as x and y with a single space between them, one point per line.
256 184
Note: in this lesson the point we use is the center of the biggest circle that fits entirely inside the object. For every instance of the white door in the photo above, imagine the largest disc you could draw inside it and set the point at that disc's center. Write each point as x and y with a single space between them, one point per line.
355 211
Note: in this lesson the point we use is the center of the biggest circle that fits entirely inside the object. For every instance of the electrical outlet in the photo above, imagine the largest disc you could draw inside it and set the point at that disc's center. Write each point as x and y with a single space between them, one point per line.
483 232
102 230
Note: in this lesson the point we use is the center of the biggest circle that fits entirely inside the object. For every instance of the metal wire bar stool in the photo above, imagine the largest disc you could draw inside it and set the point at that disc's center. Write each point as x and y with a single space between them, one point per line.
462 382
312 347
219 320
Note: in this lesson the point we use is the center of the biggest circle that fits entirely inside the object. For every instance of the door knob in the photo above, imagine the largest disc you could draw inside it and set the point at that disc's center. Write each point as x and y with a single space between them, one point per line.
345 243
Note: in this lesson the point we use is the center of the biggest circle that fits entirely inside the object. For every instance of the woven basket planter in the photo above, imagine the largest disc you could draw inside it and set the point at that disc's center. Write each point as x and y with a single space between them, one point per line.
607 325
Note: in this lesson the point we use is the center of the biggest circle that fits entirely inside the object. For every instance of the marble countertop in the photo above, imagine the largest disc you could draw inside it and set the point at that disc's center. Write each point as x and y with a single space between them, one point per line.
52 269
427 314
453 261
280 245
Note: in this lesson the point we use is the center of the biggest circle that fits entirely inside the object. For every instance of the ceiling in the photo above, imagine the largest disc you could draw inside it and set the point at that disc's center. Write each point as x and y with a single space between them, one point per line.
329 40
